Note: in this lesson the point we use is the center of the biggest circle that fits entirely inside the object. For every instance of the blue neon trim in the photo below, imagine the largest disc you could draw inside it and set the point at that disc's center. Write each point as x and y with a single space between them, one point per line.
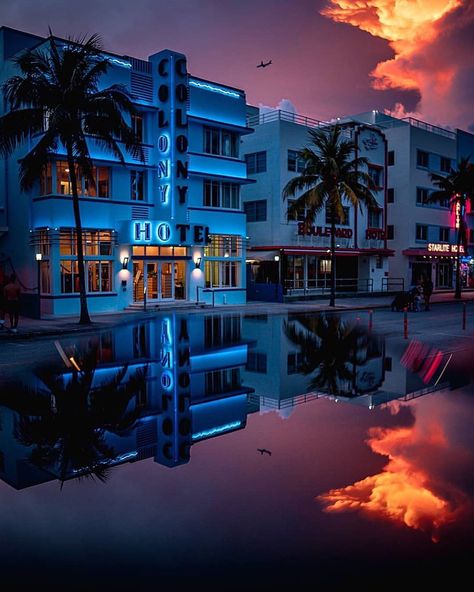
217 430
217 89
120 62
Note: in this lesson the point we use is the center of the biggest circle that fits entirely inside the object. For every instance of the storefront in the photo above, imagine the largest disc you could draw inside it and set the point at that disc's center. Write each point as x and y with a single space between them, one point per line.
438 261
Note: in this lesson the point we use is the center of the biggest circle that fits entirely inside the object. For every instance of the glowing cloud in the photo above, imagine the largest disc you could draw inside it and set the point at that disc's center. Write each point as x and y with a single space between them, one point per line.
432 43
403 492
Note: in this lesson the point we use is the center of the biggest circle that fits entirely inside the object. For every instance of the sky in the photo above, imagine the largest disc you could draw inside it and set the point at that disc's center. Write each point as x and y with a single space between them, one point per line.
331 58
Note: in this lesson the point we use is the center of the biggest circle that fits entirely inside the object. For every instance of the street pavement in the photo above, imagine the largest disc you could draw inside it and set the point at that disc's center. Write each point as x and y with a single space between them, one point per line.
441 303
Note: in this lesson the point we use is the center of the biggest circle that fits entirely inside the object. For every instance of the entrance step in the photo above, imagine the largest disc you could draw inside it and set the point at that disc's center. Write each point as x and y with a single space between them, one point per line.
175 305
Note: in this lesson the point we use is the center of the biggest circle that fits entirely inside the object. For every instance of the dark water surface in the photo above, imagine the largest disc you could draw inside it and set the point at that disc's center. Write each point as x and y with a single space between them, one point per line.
140 456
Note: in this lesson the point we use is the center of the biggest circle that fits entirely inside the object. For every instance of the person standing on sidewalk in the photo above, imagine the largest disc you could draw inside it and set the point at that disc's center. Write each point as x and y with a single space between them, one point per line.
12 294
2 302
427 292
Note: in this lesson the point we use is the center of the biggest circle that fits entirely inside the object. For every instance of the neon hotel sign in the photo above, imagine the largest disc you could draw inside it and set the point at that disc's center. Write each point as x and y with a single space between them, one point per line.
444 248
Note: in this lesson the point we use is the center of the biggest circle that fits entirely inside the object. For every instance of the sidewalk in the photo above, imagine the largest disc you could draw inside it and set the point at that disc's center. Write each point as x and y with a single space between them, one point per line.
30 328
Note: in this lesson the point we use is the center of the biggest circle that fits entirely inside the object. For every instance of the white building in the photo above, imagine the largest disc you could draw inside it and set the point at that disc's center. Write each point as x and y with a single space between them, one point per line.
284 259
422 234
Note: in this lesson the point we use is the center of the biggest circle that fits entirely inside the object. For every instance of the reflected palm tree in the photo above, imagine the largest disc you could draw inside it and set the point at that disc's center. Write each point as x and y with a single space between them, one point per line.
331 349
70 413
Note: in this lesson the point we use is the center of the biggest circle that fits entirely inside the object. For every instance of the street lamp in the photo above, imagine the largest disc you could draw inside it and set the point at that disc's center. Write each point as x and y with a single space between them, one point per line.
39 258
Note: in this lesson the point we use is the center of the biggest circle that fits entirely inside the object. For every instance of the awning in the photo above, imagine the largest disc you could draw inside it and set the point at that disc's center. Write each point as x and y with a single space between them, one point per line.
292 250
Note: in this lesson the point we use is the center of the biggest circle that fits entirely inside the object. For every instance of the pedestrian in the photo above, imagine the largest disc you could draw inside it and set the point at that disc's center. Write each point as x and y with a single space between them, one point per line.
427 291
2 302
12 294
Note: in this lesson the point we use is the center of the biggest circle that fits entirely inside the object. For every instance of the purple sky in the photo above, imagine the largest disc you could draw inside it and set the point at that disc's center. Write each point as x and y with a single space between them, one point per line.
322 66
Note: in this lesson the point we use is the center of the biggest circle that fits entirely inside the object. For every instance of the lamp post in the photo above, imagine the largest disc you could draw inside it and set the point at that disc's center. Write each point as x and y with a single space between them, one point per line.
39 258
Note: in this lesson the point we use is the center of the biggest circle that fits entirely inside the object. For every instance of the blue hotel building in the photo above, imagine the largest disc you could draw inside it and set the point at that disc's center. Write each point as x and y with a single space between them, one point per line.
169 228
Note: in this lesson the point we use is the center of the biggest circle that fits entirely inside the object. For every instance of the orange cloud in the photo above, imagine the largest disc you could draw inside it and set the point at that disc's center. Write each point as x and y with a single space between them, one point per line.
403 491
432 47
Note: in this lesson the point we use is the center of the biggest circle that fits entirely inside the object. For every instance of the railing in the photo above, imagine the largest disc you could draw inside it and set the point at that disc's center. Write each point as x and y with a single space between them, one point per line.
390 284
323 286
280 115
284 403
429 127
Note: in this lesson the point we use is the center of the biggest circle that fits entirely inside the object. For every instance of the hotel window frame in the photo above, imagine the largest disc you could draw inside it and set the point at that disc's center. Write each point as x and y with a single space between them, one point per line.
221 142
390 195
295 163
391 158
445 164
46 179
214 195
256 210
64 186
390 232
137 123
256 162
376 174
221 273
421 233
137 189
375 214
422 158
444 232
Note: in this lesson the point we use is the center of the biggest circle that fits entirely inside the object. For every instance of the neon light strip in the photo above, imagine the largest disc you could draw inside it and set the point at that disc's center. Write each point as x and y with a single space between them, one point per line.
218 430
120 62
218 89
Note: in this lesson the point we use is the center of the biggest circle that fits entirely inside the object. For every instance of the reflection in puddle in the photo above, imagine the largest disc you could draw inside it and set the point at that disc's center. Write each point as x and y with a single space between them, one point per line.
157 388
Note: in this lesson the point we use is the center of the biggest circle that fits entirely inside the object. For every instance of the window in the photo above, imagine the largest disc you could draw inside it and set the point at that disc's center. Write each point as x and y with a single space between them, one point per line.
422 158
295 163
100 187
45 277
444 234
344 222
471 235
69 277
221 274
445 164
99 276
374 218
388 364
221 330
378 261
221 195
46 180
256 162
256 210
295 363
137 185
390 195
137 127
421 232
295 216
223 245
222 381
390 233
422 195
221 142
376 175
391 157
98 249
256 362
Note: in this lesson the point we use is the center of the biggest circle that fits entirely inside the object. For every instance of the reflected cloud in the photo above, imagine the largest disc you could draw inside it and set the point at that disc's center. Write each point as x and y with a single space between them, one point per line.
407 490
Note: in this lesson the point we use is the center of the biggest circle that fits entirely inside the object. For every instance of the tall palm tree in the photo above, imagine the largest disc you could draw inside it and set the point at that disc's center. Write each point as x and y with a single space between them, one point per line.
331 351
69 436
332 174
458 188
55 101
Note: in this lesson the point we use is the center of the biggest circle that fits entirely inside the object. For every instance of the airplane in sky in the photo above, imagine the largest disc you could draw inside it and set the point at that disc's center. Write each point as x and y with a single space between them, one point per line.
264 64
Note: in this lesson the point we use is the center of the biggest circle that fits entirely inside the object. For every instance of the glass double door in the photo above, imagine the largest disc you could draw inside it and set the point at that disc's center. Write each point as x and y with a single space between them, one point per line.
161 280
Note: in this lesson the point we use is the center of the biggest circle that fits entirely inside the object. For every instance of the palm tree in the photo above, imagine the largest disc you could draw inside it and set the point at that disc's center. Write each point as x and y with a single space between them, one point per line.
69 436
331 351
331 175
458 188
55 101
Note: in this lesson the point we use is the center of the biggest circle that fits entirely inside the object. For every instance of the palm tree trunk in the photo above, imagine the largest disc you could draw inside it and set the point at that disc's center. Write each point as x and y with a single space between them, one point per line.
84 318
457 292
332 300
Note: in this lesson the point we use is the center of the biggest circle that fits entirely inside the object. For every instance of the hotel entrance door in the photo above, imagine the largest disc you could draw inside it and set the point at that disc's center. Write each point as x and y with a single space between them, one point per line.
162 280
